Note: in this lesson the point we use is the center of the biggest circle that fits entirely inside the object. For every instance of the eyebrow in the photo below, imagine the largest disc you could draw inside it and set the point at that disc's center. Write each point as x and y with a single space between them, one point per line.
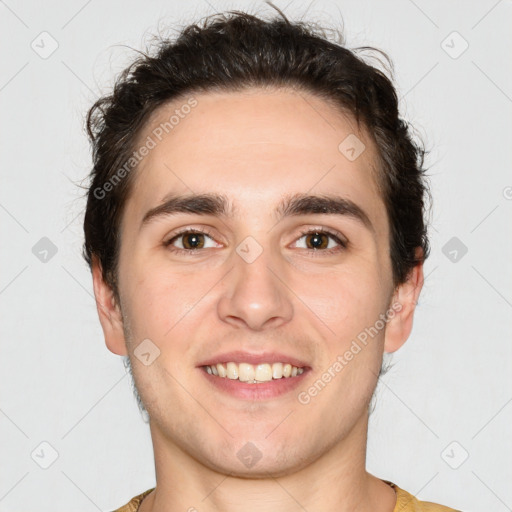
218 205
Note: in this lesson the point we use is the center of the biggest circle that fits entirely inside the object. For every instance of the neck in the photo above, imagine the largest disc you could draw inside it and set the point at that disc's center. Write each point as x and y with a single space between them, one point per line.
336 481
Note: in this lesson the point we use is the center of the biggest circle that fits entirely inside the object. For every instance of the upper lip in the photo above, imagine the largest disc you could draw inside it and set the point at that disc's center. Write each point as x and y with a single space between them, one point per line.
239 356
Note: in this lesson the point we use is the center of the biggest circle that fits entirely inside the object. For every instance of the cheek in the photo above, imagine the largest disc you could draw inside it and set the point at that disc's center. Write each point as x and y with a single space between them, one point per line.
159 297
346 301
170 310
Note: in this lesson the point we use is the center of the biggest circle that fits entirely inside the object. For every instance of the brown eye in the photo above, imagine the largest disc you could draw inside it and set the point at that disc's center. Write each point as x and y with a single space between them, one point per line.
190 241
321 242
193 241
317 240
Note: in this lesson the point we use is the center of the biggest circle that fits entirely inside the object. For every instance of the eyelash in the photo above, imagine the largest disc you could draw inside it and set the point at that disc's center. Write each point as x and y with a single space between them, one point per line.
338 237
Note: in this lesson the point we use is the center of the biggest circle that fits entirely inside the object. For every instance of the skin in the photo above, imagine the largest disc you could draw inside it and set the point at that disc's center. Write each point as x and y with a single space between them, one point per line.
255 147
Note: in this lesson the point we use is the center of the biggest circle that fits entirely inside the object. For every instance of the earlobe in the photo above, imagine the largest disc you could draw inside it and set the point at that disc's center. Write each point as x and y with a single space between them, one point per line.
109 311
406 296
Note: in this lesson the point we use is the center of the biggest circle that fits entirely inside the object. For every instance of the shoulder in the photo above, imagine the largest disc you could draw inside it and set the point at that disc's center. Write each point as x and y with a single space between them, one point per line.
133 504
406 502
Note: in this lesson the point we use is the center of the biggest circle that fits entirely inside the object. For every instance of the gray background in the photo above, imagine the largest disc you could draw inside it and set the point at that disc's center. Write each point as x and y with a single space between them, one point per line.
441 427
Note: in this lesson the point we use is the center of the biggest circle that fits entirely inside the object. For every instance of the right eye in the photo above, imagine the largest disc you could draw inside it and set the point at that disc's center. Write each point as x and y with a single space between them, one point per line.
190 241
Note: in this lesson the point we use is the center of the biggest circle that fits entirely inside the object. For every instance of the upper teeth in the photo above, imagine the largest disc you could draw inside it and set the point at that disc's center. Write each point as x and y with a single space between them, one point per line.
246 372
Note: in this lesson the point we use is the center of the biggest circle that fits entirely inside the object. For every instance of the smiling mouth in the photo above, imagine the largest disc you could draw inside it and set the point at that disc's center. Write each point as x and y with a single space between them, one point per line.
254 374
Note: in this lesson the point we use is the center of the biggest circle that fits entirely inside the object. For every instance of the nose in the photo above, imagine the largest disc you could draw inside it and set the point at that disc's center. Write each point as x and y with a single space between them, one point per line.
255 295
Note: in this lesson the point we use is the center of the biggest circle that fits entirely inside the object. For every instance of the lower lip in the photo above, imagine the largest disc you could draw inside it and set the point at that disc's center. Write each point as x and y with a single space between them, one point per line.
262 391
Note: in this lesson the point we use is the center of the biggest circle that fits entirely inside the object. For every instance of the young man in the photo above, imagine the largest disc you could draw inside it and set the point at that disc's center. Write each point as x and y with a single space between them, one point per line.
256 235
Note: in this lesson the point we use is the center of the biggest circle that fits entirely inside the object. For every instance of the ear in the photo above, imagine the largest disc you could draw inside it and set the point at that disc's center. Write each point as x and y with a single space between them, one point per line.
406 295
109 311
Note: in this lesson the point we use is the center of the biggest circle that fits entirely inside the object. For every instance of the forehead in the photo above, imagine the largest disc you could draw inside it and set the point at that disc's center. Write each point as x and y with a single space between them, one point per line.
255 146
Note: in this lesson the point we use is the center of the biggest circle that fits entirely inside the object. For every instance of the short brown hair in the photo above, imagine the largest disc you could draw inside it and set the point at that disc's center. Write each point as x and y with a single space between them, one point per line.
232 51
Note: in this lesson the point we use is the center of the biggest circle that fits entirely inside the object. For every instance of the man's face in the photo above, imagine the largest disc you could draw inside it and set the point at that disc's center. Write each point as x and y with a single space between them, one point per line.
253 282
